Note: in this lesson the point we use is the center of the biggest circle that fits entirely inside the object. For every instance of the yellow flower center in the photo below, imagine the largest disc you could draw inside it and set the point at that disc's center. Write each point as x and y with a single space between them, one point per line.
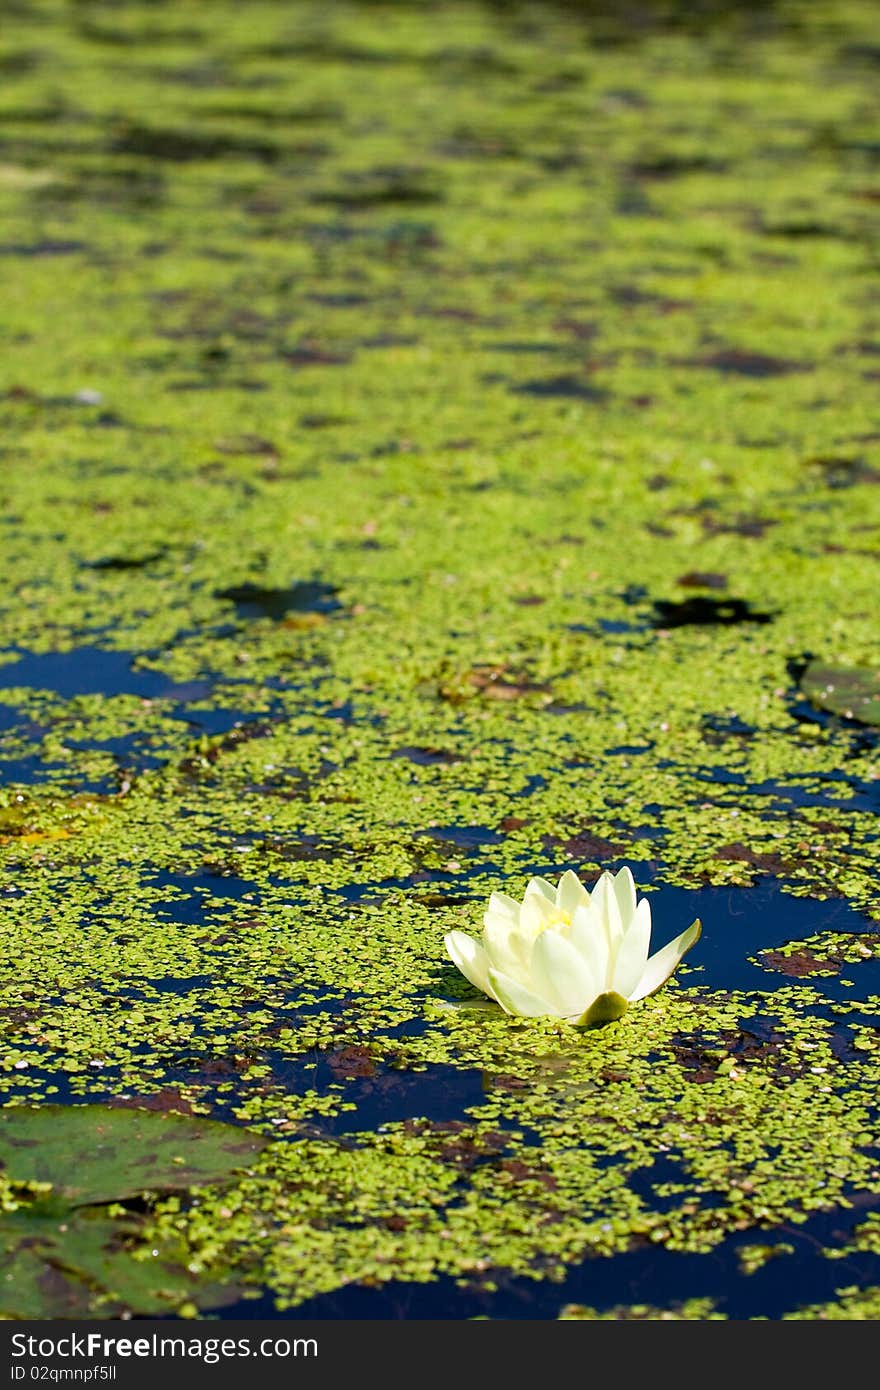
559 921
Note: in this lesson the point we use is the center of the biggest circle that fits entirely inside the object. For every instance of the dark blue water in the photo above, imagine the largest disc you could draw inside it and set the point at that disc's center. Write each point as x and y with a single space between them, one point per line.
93 671
651 1275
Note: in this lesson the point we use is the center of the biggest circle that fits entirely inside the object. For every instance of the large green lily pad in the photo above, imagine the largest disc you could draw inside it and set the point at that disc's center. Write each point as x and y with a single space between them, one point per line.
92 1153
80 1266
62 1253
850 691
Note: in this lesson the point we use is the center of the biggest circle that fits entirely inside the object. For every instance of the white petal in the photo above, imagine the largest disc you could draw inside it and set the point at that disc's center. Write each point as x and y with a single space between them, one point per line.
571 893
661 965
632 953
561 975
503 907
537 913
514 998
590 939
625 893
541 885
604 903
471 960
507 948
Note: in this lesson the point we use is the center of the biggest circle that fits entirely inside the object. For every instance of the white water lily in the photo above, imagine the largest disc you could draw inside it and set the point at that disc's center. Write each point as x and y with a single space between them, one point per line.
568 953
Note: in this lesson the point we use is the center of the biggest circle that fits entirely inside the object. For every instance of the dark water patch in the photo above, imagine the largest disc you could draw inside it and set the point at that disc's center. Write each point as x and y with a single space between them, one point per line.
718 729
464 836
840 987
633 201
389 340
340 300
613 626
381 1094
305 849
311 355
535 782
521 347
92 671
742 362
124 562
583 330
632 297
477 61
198 764
33 770
666 1171
403 237
308 596
234 722
131 751
17 62
649 1275
805 229
752 526
700 611
422 756
328 49
860 53
842 471
180 984
561 388
427 885
858 795
217 384
200 888
183 146
583 846
667 164
723 776
10 717
45 247
738 923
862 741
310 113
383 188
323 422
141 36
457 313
704 1057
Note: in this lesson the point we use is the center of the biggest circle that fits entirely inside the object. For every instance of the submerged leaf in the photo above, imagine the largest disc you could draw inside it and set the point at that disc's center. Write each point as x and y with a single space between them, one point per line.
850 691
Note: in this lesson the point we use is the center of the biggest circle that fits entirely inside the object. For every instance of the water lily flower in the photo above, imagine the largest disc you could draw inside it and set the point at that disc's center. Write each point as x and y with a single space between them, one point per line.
568 953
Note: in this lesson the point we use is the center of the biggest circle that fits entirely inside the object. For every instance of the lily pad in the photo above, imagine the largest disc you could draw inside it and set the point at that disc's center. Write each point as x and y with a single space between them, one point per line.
850 691
93 1153
80 1266
63 1253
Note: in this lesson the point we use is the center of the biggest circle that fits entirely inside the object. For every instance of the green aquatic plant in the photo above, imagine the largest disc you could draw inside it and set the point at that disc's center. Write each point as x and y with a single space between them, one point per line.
568 953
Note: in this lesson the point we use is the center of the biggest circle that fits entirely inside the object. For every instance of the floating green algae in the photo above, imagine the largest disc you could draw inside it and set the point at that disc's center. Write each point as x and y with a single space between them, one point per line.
436 445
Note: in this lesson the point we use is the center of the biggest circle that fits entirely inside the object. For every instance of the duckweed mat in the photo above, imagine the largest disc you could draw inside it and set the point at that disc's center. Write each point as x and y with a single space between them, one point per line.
439 446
